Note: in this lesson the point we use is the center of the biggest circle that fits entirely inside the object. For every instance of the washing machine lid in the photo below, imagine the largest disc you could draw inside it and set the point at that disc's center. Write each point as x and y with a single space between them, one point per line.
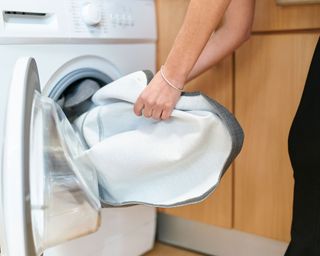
16 226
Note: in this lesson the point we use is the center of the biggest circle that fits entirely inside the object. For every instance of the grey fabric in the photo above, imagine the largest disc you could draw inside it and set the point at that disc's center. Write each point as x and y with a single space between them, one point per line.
149 75
77 98
80 93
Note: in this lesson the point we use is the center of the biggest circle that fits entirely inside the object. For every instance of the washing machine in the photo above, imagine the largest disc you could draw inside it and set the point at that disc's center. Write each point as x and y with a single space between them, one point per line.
46 205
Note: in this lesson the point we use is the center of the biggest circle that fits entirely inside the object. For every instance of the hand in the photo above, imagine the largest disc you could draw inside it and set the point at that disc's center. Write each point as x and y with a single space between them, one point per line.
157 100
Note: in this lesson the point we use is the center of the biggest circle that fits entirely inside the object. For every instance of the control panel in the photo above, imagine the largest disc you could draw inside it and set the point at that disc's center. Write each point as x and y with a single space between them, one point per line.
79 19
101 17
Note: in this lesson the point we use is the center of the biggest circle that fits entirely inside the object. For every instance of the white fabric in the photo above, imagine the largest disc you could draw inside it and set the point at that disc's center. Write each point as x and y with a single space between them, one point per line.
140 160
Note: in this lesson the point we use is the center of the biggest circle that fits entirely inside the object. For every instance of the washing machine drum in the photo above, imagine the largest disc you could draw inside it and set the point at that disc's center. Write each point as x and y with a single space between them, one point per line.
56 174
160 163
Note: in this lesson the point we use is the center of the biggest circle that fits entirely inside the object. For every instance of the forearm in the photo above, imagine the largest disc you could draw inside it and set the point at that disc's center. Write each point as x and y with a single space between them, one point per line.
235 30
219 46
202 18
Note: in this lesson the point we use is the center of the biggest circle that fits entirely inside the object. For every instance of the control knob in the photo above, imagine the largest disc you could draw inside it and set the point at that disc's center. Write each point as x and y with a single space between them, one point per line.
91 14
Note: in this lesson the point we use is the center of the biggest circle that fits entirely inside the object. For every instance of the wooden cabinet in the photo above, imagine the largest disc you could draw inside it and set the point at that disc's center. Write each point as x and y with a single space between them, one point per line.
217 83
270 73
272 17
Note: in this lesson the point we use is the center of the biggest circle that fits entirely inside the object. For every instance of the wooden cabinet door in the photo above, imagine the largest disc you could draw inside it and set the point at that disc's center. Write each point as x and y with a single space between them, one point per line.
270 72
272 17
217 83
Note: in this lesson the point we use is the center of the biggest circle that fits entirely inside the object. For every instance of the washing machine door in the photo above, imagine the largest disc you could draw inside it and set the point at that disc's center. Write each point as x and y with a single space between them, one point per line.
46 195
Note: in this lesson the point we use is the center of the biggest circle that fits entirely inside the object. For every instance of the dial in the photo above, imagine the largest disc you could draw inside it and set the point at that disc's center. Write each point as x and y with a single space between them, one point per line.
91 14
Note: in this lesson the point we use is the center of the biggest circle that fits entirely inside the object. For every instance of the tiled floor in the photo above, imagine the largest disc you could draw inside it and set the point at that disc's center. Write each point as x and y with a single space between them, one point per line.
166 250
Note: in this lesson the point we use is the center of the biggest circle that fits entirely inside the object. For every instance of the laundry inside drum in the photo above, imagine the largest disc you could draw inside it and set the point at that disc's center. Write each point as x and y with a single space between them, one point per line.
76 99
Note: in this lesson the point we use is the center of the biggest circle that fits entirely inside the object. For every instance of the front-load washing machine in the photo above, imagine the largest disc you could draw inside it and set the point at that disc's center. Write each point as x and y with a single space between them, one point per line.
46 47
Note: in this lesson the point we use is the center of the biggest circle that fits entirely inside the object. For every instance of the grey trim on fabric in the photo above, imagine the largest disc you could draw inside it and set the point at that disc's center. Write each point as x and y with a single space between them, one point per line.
149 75
233 126
237 137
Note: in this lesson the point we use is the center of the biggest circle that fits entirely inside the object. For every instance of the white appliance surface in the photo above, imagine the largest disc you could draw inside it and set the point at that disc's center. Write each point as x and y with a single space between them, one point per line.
115 37
123 232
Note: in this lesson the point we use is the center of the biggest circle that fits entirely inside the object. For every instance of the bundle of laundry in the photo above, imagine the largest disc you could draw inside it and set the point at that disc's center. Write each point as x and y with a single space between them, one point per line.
160 163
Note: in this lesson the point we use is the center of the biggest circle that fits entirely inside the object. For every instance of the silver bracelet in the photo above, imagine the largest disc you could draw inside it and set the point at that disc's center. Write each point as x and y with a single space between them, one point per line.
168 82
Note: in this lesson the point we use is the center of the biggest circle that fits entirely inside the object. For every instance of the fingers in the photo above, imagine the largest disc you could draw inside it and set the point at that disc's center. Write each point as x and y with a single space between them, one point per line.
149 109
159 110
138 107
156 113
166 114
144 107
148 106
152 111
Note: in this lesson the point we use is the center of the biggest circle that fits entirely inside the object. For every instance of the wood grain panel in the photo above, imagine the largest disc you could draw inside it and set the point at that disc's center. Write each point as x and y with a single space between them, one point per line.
217 83
270 75
272 17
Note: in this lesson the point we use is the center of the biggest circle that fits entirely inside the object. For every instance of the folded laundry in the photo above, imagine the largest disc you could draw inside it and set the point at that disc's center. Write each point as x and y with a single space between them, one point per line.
160 163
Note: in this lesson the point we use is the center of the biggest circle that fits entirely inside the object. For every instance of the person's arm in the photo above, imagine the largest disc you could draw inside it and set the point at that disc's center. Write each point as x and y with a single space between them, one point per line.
234 31
202 18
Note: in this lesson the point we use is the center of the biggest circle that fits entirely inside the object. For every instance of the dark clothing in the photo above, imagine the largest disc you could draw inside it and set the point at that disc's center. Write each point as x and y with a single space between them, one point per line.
304 151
